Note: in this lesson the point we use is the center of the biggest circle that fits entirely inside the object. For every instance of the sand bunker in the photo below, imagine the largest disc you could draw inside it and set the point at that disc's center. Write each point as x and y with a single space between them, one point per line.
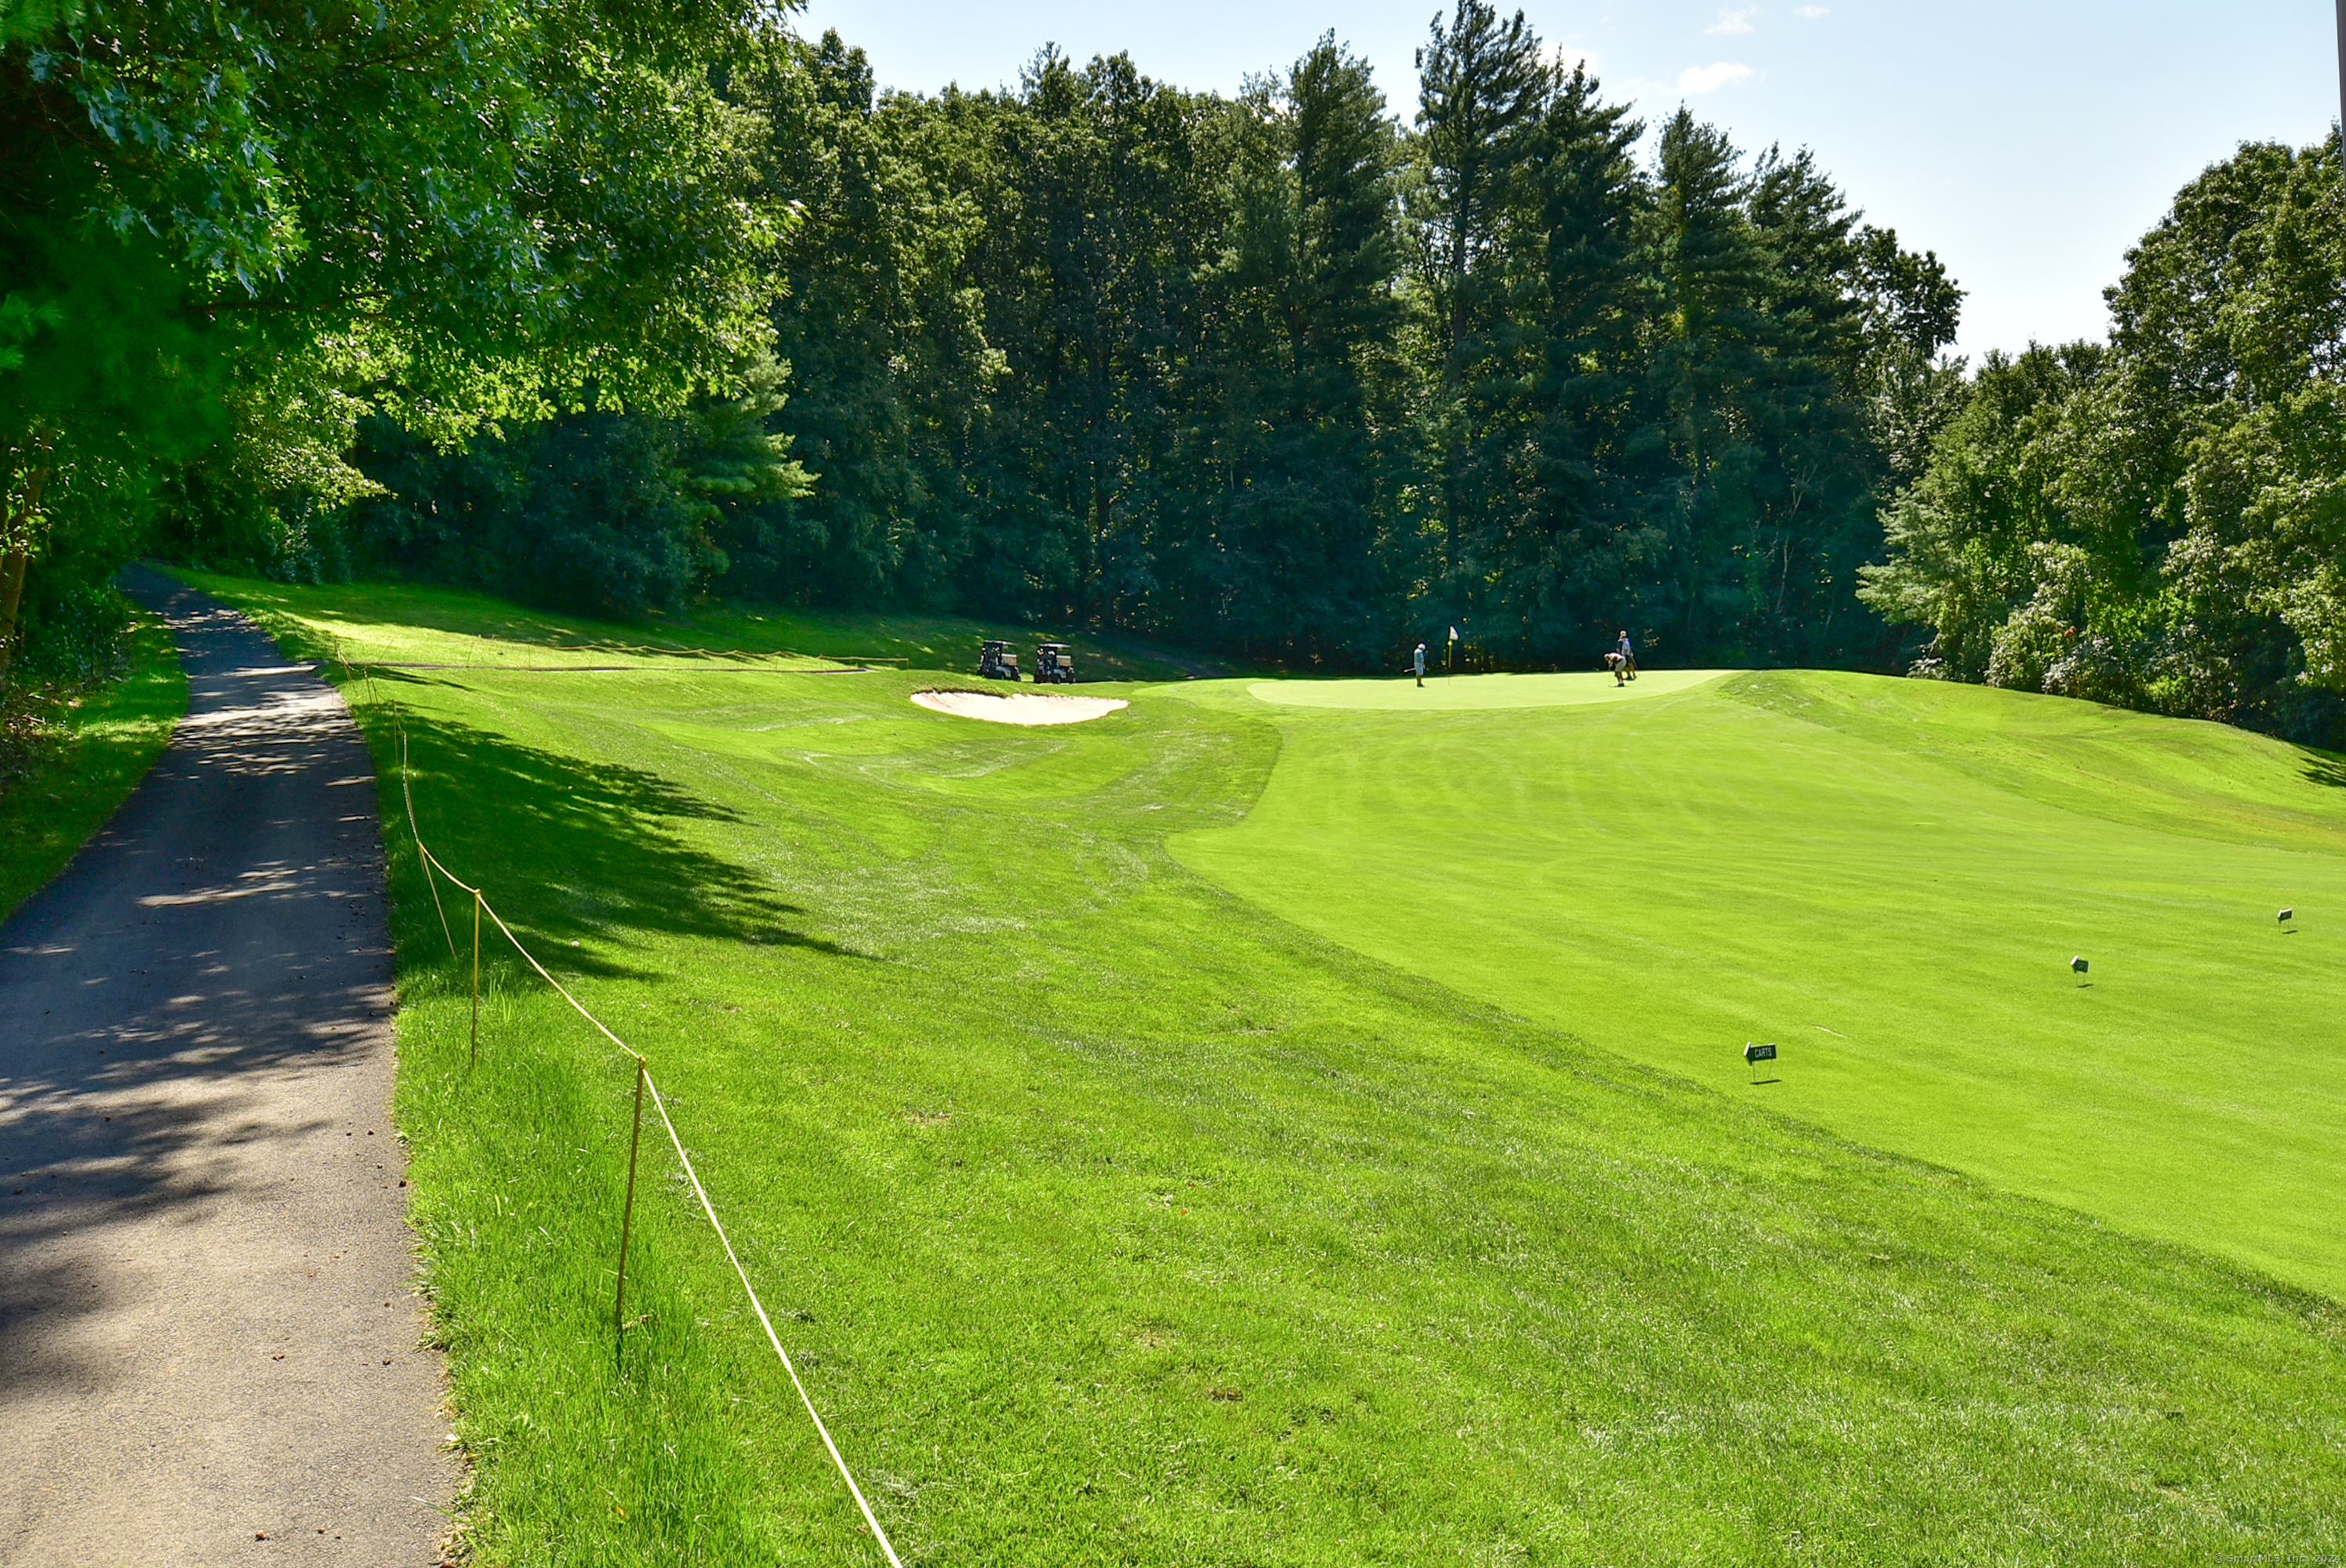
1020 707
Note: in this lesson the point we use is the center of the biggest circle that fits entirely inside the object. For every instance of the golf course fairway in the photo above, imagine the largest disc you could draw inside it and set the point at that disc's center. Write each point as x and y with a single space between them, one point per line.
1112 1217
1888 879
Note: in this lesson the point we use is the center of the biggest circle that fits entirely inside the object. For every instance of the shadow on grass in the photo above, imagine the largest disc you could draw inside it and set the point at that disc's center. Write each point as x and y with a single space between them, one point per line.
744 632
464 613
568 851
2324 768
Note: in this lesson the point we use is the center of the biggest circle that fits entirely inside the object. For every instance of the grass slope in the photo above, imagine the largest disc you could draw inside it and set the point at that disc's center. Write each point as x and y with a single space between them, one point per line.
93 752
407 623
1889 878
1114 1220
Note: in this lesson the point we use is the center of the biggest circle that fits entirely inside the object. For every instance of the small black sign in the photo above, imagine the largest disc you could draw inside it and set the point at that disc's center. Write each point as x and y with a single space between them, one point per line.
1759 1053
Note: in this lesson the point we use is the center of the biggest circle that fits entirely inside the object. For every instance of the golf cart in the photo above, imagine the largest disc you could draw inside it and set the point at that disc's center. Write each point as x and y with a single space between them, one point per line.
1054 665
996 662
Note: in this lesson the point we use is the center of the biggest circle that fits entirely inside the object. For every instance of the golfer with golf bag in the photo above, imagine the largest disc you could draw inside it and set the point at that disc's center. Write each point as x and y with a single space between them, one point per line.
1622 661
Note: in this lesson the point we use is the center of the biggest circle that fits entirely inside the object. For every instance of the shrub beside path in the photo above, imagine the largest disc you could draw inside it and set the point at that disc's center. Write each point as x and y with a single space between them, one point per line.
210 1337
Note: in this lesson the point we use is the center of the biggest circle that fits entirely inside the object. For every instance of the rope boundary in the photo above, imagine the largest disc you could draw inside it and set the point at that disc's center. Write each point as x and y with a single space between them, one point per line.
433 863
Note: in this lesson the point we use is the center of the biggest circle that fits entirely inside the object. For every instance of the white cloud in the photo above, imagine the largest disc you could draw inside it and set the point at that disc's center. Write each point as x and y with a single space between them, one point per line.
1710 79
1566 57
1813 13
1730 23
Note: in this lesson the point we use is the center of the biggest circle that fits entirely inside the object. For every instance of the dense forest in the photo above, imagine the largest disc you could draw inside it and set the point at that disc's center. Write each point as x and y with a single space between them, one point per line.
614 305
1279 375
1284 376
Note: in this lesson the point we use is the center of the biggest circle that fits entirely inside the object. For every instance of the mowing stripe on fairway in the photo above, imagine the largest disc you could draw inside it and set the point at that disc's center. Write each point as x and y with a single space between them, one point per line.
1892 877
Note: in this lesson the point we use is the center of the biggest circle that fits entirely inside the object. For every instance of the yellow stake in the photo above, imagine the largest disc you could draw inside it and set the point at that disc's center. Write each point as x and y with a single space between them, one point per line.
476 977
627 1220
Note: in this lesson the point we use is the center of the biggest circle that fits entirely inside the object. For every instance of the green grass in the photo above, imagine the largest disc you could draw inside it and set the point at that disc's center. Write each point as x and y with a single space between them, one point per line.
408 624
1889 879
1476 693
1114 1219
90 751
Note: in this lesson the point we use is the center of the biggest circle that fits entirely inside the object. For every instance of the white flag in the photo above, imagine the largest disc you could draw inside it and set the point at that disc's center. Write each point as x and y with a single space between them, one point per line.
1454 634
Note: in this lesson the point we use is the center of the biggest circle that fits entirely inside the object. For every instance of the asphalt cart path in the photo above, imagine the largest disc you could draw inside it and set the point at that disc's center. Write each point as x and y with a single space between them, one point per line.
209 1338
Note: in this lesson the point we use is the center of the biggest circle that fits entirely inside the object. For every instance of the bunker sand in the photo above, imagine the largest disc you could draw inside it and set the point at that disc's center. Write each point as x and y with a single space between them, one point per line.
1019 707
206 1281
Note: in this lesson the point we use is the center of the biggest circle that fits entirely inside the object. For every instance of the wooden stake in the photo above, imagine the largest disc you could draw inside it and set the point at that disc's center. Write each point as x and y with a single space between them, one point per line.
627 1222
476 977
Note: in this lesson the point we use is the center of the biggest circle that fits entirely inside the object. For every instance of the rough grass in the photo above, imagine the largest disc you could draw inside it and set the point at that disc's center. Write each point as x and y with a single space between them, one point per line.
67 760
1116 1221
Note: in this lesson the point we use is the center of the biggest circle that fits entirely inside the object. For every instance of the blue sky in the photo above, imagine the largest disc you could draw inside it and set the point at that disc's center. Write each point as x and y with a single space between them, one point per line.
2027 143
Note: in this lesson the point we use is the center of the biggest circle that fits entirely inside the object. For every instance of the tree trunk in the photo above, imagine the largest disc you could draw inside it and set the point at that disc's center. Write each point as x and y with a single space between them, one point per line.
19 512
11 594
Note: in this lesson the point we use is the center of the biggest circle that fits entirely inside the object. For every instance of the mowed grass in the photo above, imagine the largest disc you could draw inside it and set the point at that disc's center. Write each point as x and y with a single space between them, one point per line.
1451 694
1114 1220
100 745
1888 879
406 624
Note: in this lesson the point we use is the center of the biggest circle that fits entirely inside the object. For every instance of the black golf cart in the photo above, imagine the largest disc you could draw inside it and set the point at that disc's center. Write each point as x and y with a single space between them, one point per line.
1053 665
996 662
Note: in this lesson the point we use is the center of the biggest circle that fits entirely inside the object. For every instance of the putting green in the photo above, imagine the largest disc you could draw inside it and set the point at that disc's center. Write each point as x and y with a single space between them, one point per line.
1888 879
1441 693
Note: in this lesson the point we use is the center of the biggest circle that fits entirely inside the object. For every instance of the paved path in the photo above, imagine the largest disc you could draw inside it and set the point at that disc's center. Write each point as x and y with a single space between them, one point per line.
208 1340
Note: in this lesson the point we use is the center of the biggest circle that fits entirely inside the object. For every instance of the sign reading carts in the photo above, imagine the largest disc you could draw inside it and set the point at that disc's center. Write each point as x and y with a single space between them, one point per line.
1754 1053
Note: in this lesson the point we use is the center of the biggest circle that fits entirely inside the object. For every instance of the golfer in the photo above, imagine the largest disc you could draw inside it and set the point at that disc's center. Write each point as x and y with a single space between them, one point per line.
1419 659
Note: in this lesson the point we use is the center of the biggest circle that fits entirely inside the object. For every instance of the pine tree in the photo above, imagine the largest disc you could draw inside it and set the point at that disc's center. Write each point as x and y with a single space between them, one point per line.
1483 85
1572 549
889 363
1312 257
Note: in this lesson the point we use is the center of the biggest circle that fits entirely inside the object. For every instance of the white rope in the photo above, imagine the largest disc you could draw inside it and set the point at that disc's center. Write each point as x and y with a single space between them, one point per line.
557 985
771 1337
417 834
756 1305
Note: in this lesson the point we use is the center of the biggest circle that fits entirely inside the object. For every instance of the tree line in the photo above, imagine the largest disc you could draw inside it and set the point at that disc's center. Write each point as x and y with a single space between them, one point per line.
612 304
689 307
1283 375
